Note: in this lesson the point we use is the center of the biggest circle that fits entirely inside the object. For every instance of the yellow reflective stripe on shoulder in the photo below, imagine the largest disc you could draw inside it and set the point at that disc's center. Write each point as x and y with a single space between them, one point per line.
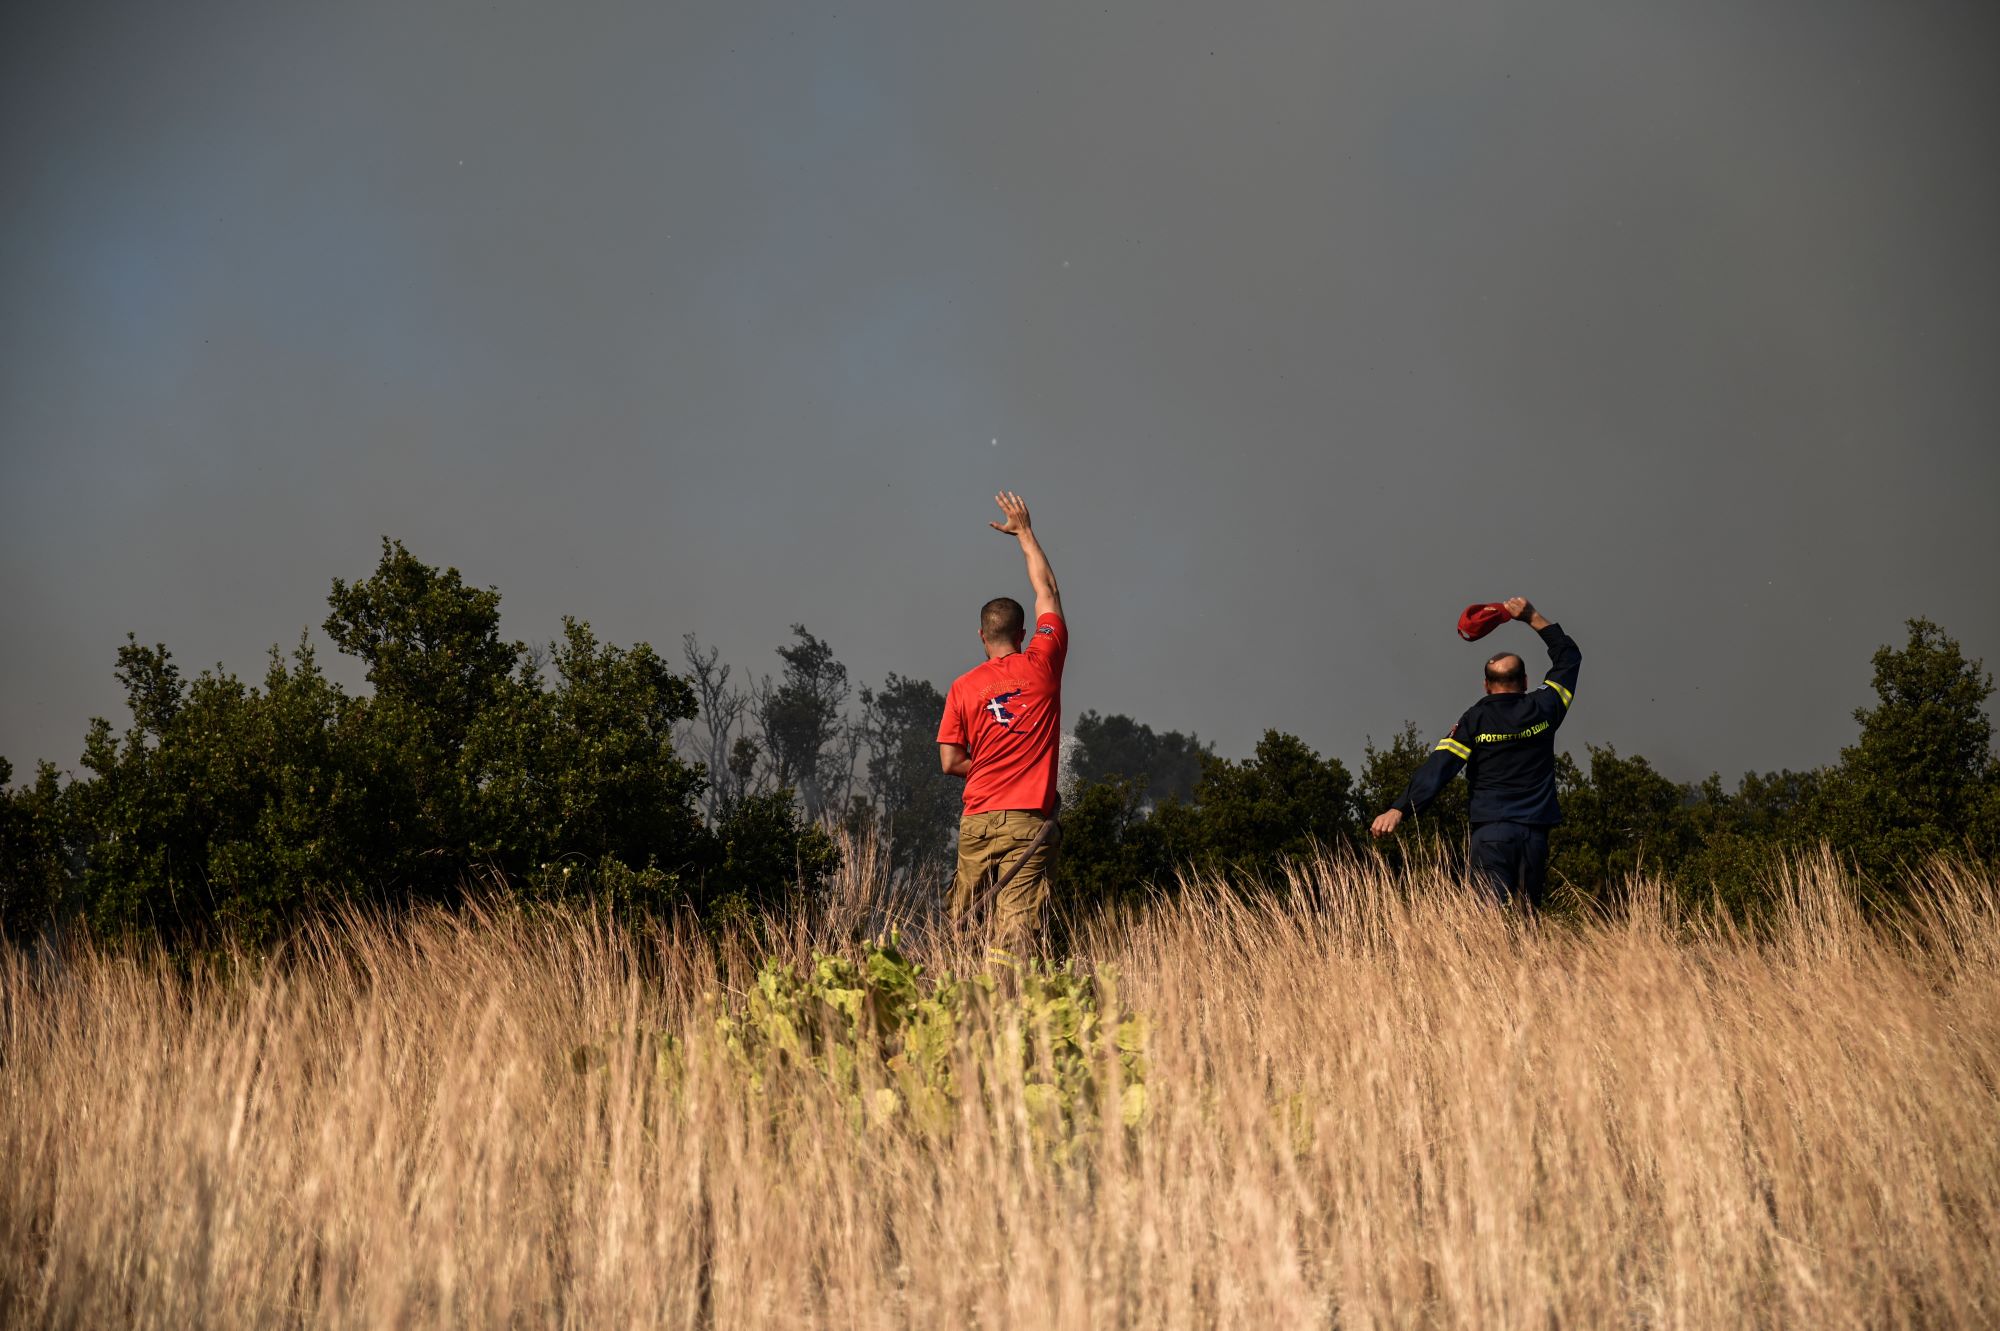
1452 746
1561 692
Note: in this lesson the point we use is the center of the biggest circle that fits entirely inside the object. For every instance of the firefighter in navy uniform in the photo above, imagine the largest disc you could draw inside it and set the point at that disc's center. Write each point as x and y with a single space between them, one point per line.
1506 744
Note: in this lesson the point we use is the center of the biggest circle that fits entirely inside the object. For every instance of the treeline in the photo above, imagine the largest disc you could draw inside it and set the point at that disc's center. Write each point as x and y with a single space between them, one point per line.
1919 780
571 767
544 770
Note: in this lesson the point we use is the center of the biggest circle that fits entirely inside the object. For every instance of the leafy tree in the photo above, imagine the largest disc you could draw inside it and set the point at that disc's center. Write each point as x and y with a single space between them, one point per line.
1740 838
437 662
586 767
310 841
429 641
227 804
1245 819
1622 817
1283 801
220 802
917 804
1773 806
765 857
35 854
1114 844
800 719
744 757
1921 777
1160 766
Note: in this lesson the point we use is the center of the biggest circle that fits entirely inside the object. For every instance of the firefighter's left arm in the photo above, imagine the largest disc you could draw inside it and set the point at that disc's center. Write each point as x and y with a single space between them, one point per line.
1565 660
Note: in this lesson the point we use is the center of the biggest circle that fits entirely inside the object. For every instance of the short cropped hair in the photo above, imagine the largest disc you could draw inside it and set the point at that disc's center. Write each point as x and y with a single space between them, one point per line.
1002 619
1515 677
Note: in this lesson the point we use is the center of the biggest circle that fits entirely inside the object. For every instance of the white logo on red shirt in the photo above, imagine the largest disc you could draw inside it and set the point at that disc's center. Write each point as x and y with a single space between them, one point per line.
997 705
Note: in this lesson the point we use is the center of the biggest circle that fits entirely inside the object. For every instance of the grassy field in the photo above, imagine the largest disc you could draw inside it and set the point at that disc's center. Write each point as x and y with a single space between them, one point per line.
1368 1104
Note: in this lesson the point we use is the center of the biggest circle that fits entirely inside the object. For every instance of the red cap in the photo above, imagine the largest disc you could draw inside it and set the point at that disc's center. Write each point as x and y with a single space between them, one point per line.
1480 620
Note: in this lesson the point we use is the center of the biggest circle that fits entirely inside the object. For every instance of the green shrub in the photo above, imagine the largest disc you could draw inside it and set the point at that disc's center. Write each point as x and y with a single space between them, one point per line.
898 1043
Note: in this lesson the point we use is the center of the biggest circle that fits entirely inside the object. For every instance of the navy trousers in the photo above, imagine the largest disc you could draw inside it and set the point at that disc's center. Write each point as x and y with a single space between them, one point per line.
1511 859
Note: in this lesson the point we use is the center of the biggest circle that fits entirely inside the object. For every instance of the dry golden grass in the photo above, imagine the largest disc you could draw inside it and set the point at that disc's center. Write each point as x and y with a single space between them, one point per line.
1373 1104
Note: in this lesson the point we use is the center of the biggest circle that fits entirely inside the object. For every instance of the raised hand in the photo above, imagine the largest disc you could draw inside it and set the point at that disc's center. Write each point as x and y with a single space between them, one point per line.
1048 598
1016 510
1521 607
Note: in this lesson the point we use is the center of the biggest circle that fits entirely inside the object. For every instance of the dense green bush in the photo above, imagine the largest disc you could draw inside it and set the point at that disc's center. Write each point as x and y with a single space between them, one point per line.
228 805
1243 818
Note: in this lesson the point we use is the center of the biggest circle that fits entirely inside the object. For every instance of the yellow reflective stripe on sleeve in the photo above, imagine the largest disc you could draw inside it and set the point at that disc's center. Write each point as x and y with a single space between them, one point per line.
1452 746
1561 692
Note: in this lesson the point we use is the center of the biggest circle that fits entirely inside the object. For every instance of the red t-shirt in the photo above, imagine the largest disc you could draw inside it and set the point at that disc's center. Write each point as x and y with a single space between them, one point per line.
1008 715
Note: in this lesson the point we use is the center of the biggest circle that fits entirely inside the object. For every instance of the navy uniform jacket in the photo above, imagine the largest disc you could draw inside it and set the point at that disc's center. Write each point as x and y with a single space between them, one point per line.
1506 742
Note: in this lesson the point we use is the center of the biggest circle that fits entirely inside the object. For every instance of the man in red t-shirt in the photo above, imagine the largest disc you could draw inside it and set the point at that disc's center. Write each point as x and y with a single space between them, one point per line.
1002 731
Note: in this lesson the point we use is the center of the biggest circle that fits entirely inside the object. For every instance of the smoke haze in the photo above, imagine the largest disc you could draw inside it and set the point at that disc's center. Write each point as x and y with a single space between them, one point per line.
1300 326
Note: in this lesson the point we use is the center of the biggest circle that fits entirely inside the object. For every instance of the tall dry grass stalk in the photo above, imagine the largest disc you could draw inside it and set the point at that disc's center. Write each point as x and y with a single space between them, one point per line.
1372 1103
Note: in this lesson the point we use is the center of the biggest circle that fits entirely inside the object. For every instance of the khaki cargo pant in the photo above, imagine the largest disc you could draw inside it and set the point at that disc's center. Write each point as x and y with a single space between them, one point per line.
989 844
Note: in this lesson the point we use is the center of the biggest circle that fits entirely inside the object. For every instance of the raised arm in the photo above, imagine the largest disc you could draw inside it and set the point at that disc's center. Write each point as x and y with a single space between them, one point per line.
1565 658
1048 597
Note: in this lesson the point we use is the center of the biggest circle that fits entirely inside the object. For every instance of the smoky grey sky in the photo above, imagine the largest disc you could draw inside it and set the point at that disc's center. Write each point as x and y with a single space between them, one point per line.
1299 325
